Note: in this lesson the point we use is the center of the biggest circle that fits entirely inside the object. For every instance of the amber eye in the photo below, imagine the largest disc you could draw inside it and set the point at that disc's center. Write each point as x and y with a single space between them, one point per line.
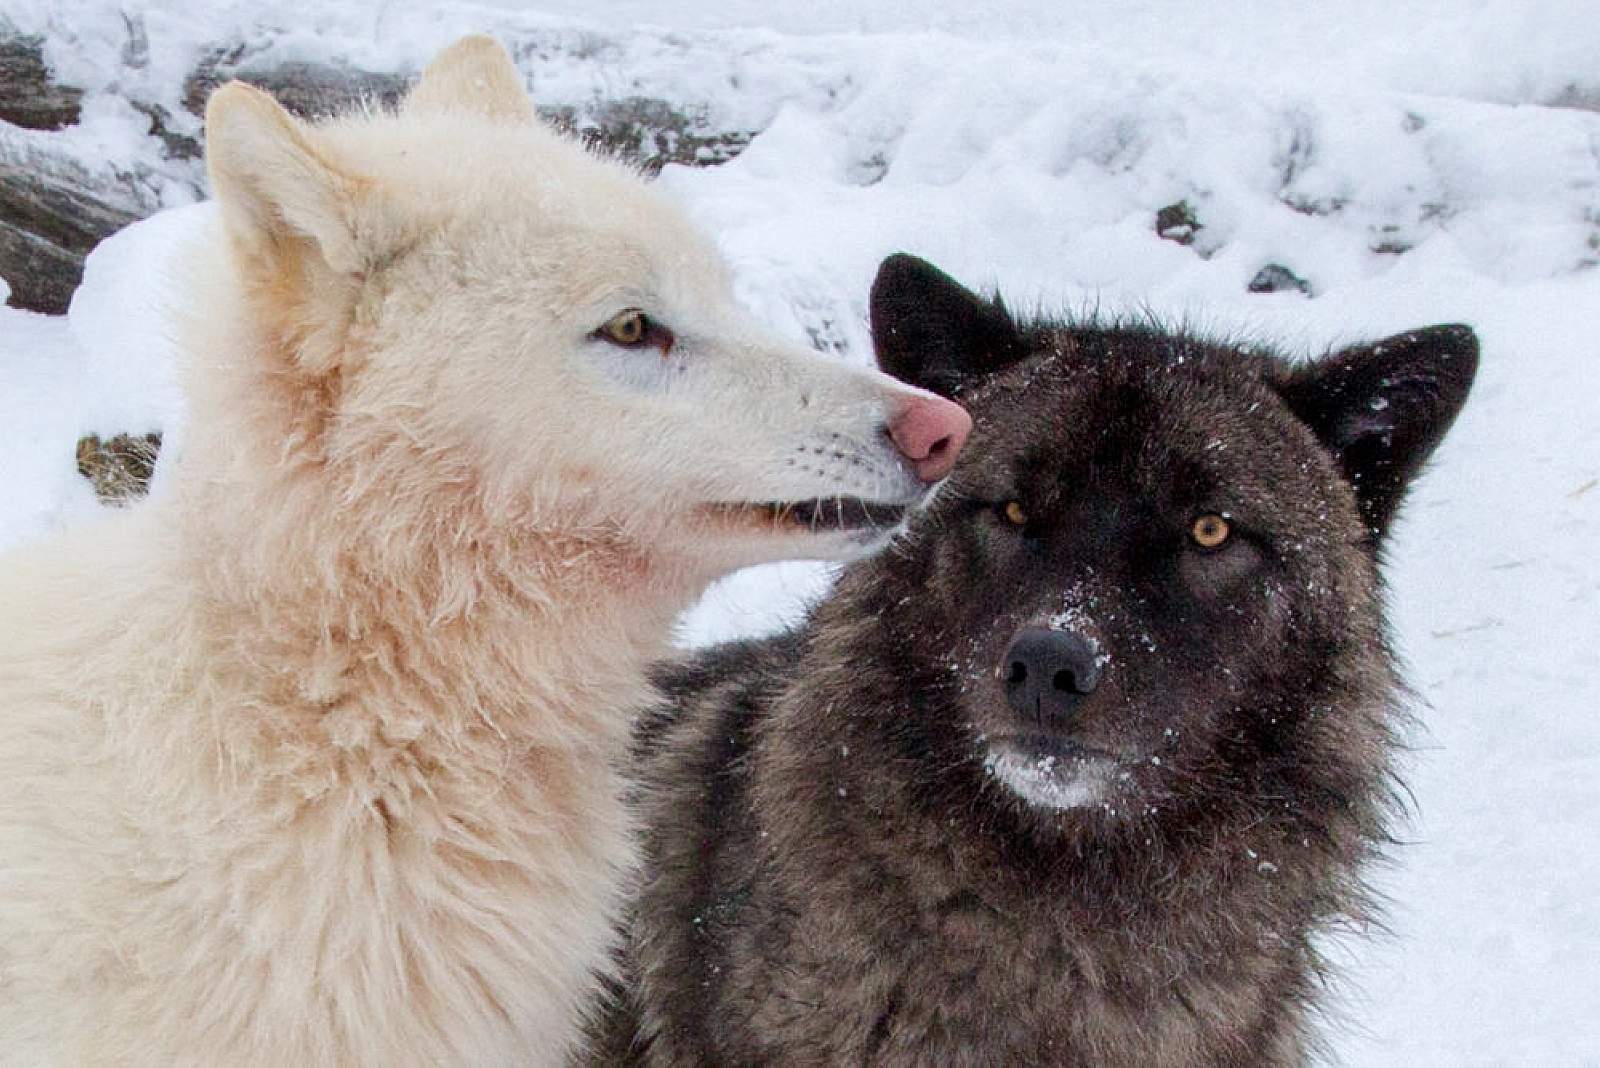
1015 515
1210 531
627 328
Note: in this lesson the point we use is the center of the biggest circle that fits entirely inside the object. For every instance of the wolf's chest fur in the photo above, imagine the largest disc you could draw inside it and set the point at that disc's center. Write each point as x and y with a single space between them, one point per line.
343 861
872 933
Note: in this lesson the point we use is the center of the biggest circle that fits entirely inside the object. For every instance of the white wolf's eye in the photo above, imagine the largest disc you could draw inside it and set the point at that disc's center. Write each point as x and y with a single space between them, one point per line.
1210 531
626 328
633 329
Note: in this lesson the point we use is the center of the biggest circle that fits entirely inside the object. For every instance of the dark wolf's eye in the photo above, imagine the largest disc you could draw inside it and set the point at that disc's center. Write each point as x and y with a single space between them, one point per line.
1014 516
633 329
1210 531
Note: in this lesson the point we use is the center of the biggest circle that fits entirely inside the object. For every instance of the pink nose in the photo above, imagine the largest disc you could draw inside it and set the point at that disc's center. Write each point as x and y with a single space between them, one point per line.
929 432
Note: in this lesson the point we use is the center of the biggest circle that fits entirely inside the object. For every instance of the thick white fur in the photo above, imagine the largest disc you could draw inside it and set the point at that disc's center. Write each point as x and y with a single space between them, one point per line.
316 758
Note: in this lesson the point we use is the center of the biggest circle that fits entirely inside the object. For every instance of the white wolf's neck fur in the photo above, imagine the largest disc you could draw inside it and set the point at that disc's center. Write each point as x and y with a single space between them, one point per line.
360 531
407 699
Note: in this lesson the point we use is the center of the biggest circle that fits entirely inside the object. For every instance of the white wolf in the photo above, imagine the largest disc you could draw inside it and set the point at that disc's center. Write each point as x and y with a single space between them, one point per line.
315 758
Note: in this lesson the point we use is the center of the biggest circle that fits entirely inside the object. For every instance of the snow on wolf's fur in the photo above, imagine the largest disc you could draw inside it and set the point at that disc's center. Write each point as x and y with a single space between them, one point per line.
312 759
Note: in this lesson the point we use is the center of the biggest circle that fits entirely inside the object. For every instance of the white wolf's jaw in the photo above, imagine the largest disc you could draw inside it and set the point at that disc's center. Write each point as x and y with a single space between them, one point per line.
850 518
1053 782
832 528
801 462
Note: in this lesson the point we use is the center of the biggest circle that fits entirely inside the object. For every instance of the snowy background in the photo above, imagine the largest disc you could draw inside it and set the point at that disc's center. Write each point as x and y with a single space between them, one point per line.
1408 163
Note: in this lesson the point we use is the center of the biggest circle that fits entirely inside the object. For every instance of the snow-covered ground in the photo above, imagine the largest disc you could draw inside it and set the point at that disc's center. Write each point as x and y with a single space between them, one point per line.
1028 146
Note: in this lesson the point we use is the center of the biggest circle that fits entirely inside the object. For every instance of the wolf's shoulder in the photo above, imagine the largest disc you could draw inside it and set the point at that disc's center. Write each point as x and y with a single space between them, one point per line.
718 690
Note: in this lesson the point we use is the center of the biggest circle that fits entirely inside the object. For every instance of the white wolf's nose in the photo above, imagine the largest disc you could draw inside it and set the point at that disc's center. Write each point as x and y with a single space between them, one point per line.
929 432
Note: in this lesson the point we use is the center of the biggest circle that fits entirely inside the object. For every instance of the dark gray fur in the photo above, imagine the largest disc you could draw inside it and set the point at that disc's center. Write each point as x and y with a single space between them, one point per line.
833 877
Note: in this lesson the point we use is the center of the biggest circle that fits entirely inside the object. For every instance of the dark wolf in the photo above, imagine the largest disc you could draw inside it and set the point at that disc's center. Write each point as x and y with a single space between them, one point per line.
1078 771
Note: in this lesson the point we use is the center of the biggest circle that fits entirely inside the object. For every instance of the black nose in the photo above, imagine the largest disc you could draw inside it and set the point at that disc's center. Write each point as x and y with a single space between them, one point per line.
1048 673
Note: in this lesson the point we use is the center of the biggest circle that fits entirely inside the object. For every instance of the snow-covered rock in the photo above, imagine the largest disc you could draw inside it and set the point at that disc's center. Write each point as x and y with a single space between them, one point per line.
100 119
29 97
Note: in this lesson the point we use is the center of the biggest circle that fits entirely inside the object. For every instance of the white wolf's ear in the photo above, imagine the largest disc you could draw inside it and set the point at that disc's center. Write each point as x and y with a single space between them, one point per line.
282 196
476 74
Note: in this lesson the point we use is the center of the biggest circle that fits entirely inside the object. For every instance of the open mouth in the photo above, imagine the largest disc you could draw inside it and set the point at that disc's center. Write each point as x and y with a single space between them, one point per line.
823 515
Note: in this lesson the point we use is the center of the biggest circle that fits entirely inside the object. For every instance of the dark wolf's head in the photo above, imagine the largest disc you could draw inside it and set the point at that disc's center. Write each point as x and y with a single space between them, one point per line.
1148 602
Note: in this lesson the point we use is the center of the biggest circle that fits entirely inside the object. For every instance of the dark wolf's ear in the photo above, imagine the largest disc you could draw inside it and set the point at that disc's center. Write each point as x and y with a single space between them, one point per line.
1383 407
932 332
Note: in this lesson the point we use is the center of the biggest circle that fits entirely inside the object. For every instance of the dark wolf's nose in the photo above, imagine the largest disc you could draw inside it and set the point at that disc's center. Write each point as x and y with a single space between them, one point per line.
1048 673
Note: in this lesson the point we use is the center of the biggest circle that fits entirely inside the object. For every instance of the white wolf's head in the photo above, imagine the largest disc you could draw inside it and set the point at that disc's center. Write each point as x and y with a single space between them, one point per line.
460 289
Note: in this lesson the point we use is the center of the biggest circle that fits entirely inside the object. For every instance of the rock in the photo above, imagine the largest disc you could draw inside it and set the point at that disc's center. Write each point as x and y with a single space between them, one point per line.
120 469
309 90
1276 278
1579 97
1178 222
177 145
1390 240
52 212
650 132
28 96
56 206
1314 206
41 276
647 130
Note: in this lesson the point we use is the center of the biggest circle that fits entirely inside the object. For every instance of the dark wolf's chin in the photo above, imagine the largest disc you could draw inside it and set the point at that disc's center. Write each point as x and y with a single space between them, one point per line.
1054 774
